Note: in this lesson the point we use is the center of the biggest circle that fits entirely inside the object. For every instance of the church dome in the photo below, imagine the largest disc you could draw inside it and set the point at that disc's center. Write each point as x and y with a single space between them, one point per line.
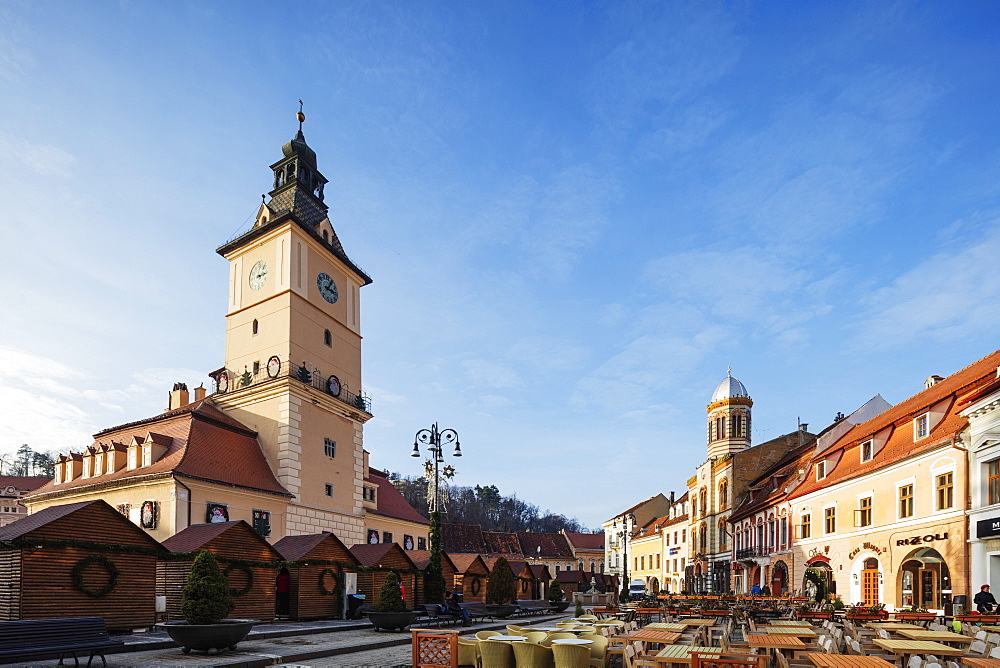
729 388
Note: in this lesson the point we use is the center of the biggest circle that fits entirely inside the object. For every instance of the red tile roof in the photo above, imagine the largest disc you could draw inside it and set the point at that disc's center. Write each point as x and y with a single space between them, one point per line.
21 482
586 541
422 558
501 543
554 545
462 538
897 422
389 502
204 444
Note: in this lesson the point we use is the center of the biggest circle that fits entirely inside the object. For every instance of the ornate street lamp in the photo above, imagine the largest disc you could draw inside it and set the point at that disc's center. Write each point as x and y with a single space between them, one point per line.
624 533
435 440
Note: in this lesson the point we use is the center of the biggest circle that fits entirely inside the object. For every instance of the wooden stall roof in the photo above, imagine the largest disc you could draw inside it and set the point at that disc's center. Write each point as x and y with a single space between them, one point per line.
224 539
314 545
540 571
374 555
423 557
82 521
469 563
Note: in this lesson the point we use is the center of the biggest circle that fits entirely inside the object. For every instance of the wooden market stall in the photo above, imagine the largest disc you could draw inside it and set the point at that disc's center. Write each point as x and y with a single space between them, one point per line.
81 559
316 589
247 560
422 559
471 576
376 561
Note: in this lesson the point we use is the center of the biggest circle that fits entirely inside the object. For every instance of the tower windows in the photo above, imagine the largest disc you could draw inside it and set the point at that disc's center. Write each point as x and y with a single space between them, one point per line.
330 447
328 338
328 489
255 327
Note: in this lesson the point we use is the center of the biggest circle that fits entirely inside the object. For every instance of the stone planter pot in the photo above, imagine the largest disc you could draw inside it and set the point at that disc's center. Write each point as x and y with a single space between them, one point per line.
392 621
559 606
205 637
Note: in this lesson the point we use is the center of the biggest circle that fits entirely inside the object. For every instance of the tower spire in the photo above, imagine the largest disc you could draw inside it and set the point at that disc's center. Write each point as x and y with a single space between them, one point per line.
301 116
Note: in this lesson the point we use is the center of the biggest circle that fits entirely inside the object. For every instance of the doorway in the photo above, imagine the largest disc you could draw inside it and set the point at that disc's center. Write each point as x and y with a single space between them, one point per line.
869 582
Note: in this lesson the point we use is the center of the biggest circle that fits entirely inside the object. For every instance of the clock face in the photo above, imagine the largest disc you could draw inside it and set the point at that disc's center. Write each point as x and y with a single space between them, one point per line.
258 275
327 288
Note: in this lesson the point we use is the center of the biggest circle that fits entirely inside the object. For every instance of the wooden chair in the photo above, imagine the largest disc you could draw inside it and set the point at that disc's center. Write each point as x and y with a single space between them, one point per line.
699 660
497 654
531 655
571 656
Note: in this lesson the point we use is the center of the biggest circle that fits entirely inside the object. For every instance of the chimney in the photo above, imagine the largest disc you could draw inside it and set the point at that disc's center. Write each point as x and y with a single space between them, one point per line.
178 396
200 392
932 381
803 426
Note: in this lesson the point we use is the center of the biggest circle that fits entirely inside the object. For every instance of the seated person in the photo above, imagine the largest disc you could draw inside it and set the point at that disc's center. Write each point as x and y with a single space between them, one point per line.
451 605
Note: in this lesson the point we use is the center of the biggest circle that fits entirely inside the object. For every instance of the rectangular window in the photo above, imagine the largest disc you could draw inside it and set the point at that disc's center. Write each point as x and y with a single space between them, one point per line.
867 448
368 493
865 512
386 536
262 522
256 368
147 456
993 470
905 501
830 520
820 470
328 489
806 526
329 447
658 560
421 543
945 491
684 534
784 531
920 427
642 560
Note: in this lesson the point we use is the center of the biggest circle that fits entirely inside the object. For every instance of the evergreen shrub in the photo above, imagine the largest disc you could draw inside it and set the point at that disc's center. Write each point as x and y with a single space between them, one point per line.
205 598
389 597
501 588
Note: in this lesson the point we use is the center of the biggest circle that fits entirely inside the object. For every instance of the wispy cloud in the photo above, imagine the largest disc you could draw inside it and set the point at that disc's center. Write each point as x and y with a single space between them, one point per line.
43 160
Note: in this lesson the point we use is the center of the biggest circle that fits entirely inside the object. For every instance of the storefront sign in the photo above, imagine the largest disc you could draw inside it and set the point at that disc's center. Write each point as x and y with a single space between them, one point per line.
919 540
987 528
869 546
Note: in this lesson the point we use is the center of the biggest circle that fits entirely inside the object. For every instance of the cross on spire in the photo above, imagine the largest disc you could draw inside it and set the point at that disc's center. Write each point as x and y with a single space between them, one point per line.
301 116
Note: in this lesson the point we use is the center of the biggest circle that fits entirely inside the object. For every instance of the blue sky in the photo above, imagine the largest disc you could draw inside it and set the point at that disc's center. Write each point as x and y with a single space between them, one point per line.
577 215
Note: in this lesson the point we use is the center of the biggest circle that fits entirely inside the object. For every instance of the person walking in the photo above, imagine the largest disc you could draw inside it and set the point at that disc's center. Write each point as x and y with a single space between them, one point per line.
984 600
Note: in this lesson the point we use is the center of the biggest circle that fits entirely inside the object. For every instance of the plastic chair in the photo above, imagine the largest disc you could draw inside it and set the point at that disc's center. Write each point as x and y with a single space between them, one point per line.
468 652
497 654
571 656
532 655
915 661
995 653
483 635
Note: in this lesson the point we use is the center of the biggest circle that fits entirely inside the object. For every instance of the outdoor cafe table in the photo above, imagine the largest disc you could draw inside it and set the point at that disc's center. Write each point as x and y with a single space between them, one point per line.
910 647
680 655
666 626
895 626
980 662
770 642
844 661
695 622
547 629
503 637
572 641
653 635
946 637
789 622
797 631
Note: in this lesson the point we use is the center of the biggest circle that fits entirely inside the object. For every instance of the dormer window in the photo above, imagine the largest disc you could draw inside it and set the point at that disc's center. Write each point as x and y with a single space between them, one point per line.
58 473
820 470
147 455
87 463
368 494
867 451
920 427
133 457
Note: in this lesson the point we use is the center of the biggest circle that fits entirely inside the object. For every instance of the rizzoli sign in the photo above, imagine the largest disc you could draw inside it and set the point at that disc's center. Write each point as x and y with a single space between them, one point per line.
987 528
919 540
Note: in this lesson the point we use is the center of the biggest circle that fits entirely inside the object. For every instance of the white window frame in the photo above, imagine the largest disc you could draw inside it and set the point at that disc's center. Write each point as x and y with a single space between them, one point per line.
900 485
835 518
870 494
871 451
926 417
819 465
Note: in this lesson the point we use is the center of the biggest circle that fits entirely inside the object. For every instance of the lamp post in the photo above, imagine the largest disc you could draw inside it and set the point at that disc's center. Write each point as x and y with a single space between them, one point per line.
435 440
624 535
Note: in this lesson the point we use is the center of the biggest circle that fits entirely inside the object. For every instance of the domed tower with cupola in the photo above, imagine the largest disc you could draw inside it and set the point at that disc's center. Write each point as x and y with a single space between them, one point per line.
729 418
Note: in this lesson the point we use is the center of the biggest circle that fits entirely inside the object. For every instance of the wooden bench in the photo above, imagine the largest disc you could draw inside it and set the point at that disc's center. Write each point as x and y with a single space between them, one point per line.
438 614
37 638
478 611
533 607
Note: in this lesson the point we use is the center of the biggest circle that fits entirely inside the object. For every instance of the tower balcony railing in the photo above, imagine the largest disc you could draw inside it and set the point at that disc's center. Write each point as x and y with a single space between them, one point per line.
751 552
228 380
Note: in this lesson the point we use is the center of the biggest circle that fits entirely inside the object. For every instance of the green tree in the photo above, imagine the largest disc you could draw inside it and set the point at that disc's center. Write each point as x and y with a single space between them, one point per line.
206 598
389 597
555 591
433 577
501 588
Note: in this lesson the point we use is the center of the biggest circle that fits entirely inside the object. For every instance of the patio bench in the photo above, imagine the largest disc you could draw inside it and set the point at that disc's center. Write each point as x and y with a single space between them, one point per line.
538 607
32 639
437 613
478 611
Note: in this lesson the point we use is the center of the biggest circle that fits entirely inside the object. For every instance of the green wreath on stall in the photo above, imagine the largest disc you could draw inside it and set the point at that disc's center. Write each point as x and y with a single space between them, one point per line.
476 586
322 582
249 573
109 567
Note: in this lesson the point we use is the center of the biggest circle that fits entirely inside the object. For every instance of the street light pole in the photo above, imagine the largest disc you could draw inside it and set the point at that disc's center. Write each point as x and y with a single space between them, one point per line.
435 440
624 536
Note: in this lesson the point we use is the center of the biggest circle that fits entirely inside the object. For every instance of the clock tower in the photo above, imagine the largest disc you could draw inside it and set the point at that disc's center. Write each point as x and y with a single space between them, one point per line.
293 349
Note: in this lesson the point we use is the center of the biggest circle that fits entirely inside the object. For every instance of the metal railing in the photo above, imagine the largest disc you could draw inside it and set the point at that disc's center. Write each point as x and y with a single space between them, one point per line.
227 381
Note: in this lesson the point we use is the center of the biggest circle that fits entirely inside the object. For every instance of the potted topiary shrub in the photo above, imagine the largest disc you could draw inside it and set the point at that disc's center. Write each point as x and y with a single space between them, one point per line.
556 597
205 602
390 610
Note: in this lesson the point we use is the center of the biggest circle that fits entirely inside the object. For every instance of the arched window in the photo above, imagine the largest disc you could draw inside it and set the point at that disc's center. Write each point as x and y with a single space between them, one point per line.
580 565
704 500
328 338
703 538
723 494
255 327
723 535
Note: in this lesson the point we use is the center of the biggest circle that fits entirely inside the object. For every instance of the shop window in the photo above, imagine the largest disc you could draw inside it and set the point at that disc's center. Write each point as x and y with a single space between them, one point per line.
945 491
864 512
920 425
867 450
905 501
830 520
993 485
